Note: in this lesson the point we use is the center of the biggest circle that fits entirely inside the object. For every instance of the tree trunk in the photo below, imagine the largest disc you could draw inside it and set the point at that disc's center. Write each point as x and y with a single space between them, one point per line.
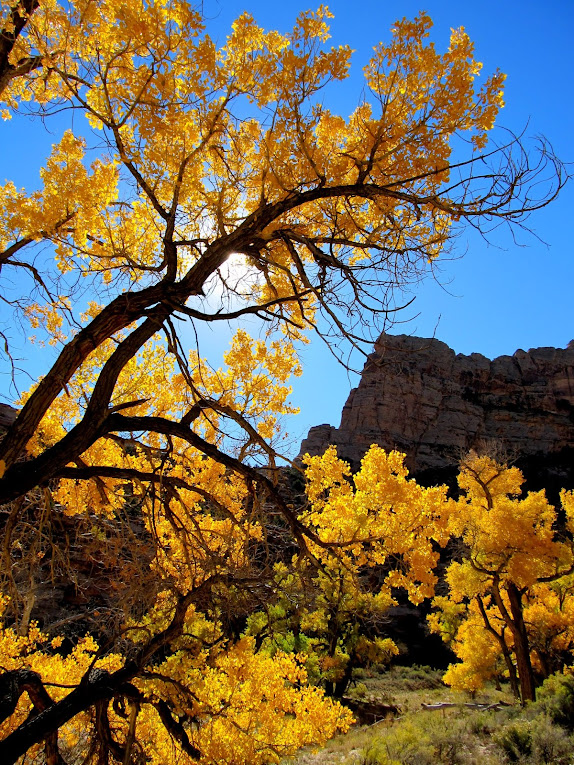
545 663
521 646
511 672
499 637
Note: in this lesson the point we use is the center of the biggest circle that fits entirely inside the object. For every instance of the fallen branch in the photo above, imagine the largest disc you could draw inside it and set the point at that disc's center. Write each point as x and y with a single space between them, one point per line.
468 704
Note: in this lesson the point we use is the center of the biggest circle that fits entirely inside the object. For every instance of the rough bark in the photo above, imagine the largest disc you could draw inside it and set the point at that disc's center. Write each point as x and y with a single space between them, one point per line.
521 645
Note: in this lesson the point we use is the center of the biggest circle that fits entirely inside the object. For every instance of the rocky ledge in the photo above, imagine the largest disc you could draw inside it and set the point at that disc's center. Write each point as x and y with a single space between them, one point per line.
417 395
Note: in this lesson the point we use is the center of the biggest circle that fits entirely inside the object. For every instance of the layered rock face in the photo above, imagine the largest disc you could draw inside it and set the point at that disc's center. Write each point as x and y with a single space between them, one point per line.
418 396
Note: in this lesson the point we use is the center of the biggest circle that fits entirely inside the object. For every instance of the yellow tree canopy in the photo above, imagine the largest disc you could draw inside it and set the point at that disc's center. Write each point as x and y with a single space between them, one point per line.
510 595
378 516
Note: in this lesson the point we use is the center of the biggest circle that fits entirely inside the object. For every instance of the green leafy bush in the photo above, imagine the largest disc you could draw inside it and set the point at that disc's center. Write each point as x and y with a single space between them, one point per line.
417 678
360 691
551 743
555 698
515 739
407 744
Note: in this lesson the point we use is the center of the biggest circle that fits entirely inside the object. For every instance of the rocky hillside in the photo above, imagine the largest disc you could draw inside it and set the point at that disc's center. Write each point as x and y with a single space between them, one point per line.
419 396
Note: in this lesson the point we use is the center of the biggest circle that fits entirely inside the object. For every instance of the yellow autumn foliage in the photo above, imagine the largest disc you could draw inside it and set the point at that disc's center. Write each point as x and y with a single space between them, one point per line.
511 593
174 157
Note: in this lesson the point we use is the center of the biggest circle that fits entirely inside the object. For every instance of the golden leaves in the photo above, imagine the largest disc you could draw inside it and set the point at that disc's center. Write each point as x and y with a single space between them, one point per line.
512 547
70 207
179 136
427 97
270 712
385 514
513 537
203 152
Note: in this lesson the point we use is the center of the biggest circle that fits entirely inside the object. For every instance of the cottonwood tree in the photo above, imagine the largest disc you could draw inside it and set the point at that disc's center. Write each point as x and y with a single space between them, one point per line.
197 156
510 596
387 531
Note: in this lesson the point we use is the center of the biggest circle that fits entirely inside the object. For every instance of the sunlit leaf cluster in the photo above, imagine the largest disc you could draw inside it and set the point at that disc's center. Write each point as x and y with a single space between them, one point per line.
509 608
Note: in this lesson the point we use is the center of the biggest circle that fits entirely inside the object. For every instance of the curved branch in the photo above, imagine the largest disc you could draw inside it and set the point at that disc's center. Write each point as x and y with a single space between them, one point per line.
12 685
99 685
14 25
176 729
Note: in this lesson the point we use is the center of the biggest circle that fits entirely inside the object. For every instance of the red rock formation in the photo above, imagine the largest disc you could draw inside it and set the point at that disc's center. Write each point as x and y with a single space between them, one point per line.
418 396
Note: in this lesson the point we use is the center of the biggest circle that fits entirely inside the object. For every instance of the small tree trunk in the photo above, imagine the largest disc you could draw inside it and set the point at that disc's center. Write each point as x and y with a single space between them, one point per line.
341 685
499 637
131 732
511 672
521 646
544 660
336 689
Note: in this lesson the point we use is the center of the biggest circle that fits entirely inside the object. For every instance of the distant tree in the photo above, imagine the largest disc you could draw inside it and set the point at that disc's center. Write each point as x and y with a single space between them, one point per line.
213 184
510 597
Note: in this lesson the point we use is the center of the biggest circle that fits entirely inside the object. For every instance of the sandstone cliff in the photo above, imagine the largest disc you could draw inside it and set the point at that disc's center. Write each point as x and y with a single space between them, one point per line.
418 396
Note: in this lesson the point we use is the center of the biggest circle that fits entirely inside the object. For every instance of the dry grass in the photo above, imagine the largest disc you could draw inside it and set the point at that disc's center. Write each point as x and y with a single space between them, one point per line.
453 736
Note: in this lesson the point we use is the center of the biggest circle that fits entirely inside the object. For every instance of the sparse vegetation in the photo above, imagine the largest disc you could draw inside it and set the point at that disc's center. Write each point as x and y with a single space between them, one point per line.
461 734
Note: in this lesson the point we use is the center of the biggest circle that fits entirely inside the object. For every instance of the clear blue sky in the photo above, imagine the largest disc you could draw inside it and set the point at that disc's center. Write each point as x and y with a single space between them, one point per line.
498 296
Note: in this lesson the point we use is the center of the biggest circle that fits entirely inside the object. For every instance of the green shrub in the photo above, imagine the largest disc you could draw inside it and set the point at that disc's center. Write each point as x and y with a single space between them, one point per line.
417 678
424 740
555 698
406 744
360 690
515 739
550 743
481 724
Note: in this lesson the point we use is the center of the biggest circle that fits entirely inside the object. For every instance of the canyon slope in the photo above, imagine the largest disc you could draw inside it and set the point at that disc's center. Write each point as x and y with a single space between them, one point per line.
417 395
